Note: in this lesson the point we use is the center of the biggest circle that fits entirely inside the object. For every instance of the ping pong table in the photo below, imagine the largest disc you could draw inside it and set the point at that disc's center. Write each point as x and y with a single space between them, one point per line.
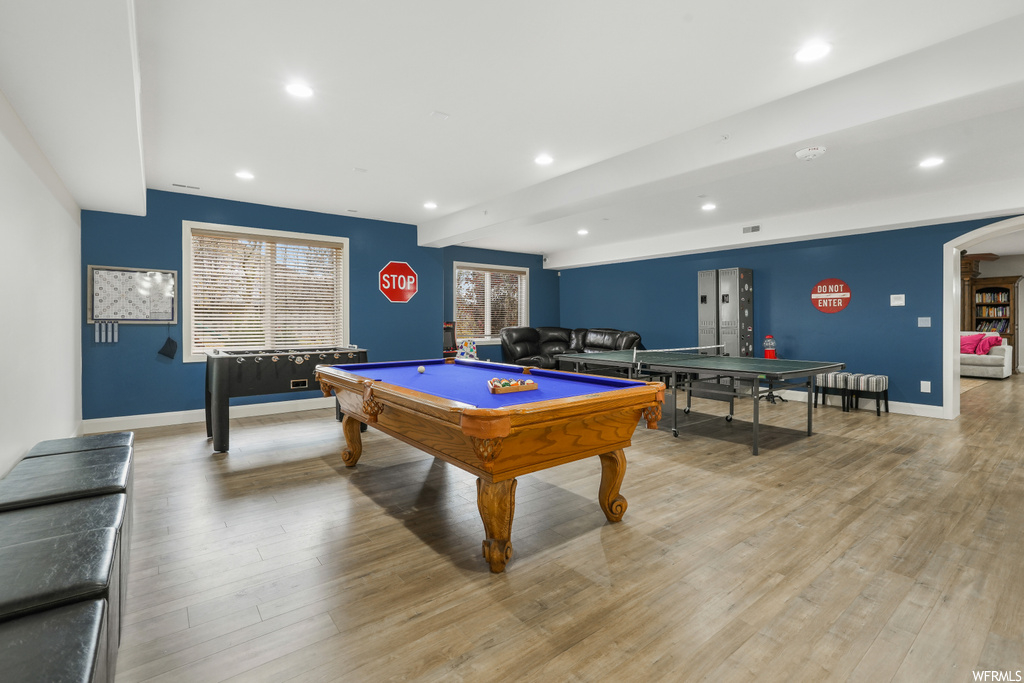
721 378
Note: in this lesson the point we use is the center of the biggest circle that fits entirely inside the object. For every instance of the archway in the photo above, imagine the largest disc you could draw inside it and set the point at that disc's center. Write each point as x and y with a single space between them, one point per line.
951 306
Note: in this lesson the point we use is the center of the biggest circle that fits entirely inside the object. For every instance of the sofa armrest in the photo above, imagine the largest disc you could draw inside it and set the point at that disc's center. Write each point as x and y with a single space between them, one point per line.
1001 351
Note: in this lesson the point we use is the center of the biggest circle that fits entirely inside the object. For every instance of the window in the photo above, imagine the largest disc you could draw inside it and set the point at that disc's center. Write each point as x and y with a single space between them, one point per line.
488 298
252 289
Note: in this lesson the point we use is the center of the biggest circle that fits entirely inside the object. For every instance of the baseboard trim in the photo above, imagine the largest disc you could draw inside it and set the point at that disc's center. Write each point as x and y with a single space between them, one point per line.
129 422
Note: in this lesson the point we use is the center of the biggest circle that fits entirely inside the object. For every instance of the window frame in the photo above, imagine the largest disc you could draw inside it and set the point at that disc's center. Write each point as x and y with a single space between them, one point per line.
187 228
524 304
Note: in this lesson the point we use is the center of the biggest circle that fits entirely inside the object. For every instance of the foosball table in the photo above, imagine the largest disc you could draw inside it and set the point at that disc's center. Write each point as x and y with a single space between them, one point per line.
253 373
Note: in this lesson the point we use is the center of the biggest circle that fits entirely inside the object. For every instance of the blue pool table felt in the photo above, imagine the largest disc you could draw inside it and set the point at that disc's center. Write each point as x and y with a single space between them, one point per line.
466 381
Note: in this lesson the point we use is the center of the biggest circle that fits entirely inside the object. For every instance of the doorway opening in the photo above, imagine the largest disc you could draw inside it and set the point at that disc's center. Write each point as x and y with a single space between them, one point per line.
951 285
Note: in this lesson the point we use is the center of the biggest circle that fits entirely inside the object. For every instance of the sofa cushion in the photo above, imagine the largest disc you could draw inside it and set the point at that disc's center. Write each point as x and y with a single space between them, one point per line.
597 340
554 340
519 342
988 360
970 342
987 343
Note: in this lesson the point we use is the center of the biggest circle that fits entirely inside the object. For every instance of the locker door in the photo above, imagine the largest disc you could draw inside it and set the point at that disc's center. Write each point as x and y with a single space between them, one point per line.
707 309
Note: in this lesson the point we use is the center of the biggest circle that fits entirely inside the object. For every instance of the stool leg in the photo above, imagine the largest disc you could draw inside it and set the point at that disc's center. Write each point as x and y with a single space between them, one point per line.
886 394
878 405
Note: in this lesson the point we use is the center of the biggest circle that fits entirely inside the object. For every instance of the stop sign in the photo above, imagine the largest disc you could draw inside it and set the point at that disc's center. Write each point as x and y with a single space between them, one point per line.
398 282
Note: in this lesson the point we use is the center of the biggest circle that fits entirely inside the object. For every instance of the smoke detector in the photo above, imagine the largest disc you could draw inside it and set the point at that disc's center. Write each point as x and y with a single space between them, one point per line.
810 153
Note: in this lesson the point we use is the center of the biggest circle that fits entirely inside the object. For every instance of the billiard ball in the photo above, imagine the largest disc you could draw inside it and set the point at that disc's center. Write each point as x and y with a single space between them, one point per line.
421 369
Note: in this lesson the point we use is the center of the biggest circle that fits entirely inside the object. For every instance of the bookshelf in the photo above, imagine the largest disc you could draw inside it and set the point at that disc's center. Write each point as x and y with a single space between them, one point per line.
994 308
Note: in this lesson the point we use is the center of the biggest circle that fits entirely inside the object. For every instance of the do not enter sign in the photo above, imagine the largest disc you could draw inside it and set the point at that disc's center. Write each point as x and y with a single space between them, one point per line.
831 295
398 282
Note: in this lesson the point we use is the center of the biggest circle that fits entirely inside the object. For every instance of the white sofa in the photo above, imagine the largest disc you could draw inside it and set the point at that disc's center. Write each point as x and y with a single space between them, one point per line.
997 363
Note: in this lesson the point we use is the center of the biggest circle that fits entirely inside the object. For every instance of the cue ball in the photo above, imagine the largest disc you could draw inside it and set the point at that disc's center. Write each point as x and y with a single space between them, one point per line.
421 369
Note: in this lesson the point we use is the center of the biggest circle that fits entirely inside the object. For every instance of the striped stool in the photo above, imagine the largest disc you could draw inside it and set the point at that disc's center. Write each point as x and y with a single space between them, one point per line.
831 383
872 386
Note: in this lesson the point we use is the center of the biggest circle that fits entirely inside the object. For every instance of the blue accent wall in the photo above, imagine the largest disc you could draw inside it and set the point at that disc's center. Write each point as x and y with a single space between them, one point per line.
544 308
658 299
655 297
130 378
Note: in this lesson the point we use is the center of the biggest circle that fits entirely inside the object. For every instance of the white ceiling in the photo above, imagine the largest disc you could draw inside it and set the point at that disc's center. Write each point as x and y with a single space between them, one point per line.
649 108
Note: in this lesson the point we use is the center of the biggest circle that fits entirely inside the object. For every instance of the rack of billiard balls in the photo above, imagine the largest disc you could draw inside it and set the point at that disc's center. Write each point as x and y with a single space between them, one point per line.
507 386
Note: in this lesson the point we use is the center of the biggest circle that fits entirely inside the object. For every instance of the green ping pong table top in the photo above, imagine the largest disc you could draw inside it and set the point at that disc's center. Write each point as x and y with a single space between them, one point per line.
739 366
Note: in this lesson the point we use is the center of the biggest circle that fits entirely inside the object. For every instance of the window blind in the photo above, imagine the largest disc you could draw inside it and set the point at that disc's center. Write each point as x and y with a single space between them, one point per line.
487 299
252 293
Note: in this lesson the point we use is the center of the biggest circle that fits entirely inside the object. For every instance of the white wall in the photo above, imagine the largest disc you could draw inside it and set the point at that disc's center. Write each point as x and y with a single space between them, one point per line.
40 297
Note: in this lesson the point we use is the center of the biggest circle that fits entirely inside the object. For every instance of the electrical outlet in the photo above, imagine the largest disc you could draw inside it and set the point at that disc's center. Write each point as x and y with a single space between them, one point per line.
926 387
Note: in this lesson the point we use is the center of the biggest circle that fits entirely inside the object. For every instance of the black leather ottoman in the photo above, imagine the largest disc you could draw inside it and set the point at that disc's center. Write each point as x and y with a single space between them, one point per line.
71 476
58 519
91 442
53 572
67 644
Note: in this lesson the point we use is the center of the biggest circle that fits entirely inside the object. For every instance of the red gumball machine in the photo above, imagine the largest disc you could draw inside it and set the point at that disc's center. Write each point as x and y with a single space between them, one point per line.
769 346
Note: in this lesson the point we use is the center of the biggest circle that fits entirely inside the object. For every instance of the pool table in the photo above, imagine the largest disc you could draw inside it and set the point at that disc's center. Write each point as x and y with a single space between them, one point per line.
449 412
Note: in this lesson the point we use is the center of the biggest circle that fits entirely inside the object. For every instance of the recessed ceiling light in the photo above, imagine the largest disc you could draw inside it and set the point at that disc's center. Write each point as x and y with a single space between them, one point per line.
543 159
931 161
709 207
430 205
814 50
582 231
299 90
244 175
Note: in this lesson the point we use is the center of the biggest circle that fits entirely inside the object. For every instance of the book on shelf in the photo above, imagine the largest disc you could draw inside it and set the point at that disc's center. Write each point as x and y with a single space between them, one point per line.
993 326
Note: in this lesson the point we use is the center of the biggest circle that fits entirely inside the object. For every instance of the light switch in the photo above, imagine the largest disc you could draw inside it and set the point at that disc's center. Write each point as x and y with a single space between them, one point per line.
926 387
897 299
924 322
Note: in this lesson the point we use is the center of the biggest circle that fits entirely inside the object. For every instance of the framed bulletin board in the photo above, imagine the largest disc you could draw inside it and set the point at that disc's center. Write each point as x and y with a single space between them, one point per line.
132 295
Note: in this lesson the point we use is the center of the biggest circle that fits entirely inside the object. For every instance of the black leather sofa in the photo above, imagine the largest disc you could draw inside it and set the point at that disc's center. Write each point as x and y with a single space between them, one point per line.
538 346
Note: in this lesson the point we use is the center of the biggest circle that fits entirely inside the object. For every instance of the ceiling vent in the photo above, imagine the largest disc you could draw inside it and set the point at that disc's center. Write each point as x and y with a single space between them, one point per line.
752 228
810 153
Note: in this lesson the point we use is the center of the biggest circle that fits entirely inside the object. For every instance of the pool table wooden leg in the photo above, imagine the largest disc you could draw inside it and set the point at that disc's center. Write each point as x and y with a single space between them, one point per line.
350 428
497 503
613 469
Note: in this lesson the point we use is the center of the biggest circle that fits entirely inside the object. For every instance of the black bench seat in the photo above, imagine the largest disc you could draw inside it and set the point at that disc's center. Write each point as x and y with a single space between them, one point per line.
90 442
41 575
67 644
46 521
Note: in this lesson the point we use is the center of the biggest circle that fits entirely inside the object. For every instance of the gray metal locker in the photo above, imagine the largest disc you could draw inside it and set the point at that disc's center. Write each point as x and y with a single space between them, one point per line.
736 311
707 310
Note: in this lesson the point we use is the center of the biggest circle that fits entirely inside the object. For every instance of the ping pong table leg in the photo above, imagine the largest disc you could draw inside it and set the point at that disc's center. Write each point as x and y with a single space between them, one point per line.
756 391
673 378
810 390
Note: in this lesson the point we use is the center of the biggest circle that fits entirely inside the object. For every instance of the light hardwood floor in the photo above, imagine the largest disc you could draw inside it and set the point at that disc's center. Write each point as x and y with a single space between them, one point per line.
882 548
